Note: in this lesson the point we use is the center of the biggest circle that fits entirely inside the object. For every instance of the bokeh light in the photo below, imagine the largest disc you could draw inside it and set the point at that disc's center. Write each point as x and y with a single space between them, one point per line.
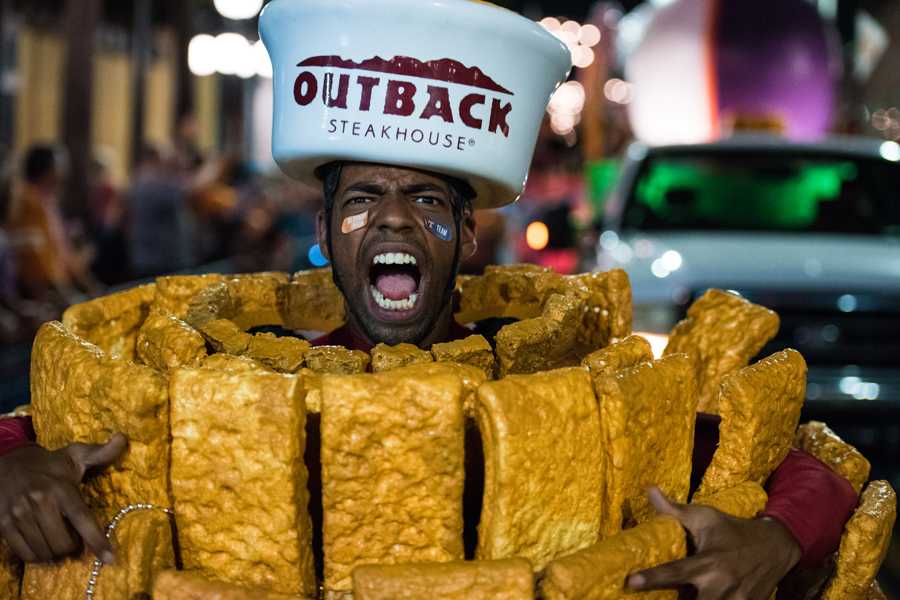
659 269
578 39
228 54
537 236
589 35
565 107
550 23
202 55
231 53
571 27
582 57
238 9
671 260
618 91
890 150
261 60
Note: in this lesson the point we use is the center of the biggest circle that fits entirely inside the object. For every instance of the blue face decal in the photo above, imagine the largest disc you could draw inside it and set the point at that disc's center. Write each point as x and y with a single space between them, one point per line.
439 230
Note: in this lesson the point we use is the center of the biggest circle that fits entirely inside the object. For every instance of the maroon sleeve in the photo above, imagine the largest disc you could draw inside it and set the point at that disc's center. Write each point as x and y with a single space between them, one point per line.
15 432
805 496
813 502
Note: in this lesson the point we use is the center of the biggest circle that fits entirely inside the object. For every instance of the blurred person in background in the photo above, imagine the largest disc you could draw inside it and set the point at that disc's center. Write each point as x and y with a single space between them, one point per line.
19 317
50 267
251 238
294 225
9 321
106 219
214 196
159 230
187 151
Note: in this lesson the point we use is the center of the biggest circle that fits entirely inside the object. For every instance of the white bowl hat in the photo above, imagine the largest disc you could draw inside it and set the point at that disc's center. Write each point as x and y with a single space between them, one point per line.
457 87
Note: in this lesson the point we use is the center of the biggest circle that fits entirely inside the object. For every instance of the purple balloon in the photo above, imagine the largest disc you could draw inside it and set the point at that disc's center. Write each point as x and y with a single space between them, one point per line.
776 59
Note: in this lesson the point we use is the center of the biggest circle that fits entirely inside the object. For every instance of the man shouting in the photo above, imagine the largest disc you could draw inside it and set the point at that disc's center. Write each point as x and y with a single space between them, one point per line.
407 132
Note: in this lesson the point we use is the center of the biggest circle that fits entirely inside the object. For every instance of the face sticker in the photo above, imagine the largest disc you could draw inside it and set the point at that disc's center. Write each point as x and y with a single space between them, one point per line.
354 222
439 230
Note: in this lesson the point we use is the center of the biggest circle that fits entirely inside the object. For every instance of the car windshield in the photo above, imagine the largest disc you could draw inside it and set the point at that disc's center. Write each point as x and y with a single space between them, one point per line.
743 191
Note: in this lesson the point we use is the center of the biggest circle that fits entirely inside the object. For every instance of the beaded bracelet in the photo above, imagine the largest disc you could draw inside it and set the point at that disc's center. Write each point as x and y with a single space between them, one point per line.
98 564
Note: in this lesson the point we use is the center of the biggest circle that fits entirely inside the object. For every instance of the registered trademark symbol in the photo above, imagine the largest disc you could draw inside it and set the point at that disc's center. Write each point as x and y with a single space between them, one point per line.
471 141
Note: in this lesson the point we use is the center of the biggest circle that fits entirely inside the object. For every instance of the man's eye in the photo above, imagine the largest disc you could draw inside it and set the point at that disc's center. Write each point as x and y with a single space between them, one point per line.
427 200
358 200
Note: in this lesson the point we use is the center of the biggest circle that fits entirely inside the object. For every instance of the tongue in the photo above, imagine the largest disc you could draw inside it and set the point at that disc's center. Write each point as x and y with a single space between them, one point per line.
396 286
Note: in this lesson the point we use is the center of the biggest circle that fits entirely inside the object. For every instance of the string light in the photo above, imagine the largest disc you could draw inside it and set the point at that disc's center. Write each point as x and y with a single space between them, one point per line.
565 107
579 39
589 35
261 60
550 23
231 49
617 91
582 57
228 54
572 27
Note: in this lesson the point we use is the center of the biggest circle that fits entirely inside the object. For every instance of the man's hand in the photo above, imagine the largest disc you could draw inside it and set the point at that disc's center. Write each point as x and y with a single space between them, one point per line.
733 559
41 510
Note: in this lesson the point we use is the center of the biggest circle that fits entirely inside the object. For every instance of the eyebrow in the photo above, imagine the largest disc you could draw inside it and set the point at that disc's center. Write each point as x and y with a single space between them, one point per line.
377 190
366 188
418 188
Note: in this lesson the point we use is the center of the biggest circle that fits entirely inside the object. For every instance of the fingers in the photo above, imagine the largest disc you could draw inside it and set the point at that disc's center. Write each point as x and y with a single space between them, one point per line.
697 520
25 522
14 539
663 505
669 575
74 508
50 521
89 456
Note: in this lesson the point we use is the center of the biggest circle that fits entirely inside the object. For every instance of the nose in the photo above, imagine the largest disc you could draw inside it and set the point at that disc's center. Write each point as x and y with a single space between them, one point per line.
396 214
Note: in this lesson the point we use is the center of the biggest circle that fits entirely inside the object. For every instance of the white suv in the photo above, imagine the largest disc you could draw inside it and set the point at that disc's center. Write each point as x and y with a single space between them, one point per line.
811 231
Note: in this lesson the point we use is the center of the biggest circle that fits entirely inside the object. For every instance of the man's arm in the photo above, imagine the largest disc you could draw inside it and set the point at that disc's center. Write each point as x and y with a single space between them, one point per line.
802 524
809 499
812 502
40 494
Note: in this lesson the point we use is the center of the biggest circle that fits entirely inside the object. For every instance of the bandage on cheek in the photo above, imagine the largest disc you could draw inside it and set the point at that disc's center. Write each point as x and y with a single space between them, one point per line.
439 230
355 222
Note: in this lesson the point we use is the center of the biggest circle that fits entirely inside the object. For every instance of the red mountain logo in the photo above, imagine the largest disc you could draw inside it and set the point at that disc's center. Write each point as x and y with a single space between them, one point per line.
445 69
392 93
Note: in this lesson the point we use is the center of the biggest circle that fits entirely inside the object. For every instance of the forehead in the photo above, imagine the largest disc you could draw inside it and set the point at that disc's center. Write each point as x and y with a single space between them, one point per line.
388 176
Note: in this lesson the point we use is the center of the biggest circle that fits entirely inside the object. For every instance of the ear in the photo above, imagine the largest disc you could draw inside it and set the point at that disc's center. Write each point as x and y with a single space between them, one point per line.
322 226
467 233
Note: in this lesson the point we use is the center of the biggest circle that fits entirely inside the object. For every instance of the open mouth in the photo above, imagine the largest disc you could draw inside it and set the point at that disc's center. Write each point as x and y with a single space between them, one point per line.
394 279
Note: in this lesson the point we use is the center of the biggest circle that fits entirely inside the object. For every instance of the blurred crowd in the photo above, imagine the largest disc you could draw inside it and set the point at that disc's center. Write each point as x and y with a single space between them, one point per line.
178 213
182 212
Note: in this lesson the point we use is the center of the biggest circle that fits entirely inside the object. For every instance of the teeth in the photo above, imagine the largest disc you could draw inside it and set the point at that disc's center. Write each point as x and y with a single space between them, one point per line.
387 304
394 258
